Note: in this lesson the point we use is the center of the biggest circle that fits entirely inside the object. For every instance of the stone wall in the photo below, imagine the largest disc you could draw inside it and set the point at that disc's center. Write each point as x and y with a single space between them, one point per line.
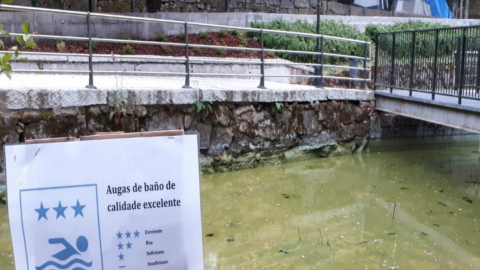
264 6
232 135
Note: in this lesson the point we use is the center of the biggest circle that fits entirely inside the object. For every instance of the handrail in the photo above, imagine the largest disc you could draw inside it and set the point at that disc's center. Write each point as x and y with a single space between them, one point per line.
186 60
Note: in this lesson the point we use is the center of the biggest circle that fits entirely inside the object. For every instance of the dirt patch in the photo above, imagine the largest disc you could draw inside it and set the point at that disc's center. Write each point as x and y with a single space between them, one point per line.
212 38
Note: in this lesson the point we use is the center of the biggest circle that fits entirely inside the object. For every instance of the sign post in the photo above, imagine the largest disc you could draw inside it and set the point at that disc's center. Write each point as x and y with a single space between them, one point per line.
123 201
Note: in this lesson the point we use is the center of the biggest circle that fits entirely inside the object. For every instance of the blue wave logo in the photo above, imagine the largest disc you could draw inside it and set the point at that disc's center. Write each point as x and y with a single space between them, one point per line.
59 266
67 253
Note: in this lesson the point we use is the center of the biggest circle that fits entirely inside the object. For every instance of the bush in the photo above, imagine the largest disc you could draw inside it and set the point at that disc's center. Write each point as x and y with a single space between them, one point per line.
197 51
327 27
161 37
2 45
165 49
182 36
424 42
371 29
222 33
221 52
235 32
127 49
271 54
94 45
61 46
242 41
204 36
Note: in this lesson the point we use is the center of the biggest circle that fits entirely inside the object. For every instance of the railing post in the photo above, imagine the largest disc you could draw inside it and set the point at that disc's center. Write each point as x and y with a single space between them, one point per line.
364 83
90 57
187 59
412 63
132 6
434 86
319 48
478 65
462 69
262 65
392 77
376 63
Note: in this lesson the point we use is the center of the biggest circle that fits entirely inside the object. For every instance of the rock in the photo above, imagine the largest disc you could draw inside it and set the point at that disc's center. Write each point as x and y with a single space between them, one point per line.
308 143
187 121
221 115
308 122
301 4
163 121
221 139
360 114
266 129
204 131
140 111
287 4
346 115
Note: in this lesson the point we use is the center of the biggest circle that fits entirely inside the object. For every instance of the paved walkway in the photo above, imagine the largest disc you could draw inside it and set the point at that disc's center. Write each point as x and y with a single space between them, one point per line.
37 91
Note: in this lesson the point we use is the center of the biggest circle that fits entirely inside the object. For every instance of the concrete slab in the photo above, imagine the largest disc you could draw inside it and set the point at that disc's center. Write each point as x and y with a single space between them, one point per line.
41 91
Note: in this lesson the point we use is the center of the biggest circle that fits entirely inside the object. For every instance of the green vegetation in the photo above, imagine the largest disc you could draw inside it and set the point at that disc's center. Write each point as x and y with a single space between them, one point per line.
234 32
61 46
221 52
330 28
242 41
127 49
271 54
424 42
118 109
25 40
205 108
371 29
204 36
165 49
222 33
197 51
94 45
2 45
161 37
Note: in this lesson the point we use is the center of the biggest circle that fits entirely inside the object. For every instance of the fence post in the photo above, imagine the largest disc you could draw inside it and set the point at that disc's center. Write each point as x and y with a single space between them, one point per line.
319 48
478 65
412 63
132 6
90 60
262 65
462 69
376 63
364 83
392 77
187 59
434 86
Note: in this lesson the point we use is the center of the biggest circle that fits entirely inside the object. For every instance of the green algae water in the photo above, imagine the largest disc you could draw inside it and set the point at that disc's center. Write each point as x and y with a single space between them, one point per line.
414 206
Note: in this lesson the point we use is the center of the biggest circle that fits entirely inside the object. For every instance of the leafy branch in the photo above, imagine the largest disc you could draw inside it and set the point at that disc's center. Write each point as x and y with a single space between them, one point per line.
24 40
205 107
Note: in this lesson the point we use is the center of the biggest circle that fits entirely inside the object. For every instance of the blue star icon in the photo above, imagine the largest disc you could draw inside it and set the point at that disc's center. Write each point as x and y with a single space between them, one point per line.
121 257
78 209
119 235
120 246
42 212
128 234
129 245
136 234
60 210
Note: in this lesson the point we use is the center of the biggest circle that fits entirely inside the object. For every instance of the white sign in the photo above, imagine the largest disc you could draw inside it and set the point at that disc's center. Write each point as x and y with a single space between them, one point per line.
106 204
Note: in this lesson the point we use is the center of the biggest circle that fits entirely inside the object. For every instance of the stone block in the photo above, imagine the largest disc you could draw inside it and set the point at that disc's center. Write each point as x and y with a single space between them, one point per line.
308 143
221 139
163 121
204 131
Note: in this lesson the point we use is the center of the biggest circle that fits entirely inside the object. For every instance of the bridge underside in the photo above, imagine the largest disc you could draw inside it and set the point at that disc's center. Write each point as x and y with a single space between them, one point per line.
443 110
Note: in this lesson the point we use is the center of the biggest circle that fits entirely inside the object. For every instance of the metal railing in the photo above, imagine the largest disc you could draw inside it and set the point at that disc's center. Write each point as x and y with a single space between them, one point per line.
187 61
442 61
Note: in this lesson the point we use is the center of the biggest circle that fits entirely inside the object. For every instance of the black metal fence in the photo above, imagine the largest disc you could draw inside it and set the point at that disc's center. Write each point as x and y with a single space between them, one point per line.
437 61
